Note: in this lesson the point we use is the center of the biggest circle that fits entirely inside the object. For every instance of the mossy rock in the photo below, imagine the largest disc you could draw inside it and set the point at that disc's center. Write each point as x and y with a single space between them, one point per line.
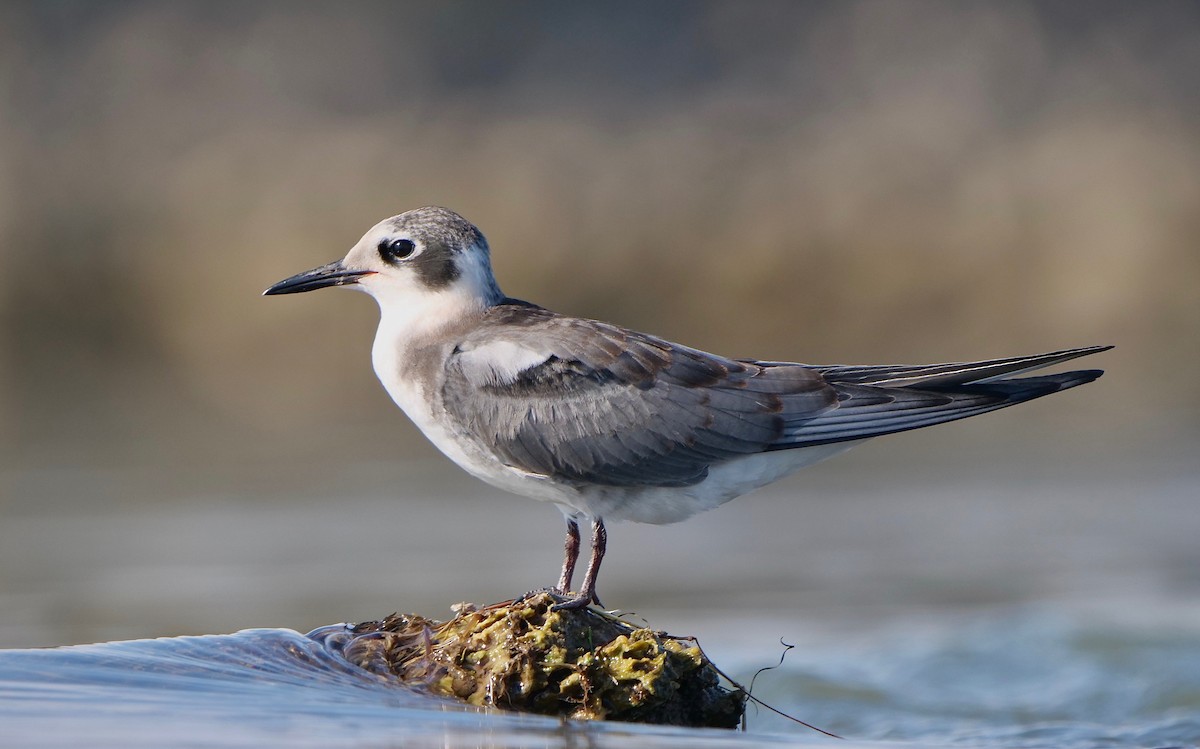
524 656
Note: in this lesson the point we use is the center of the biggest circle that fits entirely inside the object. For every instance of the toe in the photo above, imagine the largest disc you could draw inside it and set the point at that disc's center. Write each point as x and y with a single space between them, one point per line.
572 604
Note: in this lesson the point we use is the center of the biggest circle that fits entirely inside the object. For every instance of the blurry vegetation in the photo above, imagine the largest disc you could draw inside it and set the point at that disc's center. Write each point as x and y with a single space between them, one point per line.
818 181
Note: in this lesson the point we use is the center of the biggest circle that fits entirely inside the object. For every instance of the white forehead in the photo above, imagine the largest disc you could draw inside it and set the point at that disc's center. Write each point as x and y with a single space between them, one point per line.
386 229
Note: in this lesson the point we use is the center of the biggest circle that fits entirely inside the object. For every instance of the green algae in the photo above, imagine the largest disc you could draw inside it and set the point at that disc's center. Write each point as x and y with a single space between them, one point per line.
523 655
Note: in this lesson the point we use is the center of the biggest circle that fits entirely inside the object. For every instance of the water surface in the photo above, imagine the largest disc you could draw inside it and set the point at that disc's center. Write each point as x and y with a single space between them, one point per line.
1024 679
925 611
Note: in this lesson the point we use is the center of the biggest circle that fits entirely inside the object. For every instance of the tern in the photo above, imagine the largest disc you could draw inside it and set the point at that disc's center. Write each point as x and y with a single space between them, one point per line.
609 423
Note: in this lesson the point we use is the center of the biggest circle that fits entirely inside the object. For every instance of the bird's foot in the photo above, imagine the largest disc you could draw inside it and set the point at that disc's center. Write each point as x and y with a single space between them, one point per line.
574 603
553 592
565 600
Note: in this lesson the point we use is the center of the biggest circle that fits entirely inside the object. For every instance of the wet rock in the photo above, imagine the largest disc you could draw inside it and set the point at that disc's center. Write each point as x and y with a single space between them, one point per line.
523 656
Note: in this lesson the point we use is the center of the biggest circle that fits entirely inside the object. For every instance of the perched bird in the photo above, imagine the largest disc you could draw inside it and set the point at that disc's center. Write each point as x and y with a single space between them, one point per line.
609 423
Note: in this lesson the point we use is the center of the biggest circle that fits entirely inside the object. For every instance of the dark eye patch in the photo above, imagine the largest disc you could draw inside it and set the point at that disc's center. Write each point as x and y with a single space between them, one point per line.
436 266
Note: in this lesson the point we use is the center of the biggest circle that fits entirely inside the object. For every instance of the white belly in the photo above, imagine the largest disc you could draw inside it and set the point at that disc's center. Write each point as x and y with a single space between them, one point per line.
725 481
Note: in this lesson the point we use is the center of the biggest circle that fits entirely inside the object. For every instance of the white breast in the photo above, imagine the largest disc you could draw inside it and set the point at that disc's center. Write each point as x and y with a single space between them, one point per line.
419 399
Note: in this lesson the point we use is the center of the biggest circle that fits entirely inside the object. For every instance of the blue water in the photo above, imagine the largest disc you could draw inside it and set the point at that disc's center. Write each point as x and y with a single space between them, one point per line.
263 687
1027 678
1024 678
932 612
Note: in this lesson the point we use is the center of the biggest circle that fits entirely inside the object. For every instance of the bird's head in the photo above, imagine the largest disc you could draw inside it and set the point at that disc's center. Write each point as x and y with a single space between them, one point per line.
410 260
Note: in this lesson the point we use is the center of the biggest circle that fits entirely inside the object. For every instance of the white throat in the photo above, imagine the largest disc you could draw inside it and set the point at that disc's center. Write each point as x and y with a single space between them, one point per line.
414 318
411 312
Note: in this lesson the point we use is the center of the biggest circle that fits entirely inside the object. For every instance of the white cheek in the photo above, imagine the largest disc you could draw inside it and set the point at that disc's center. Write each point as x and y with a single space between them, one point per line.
385 285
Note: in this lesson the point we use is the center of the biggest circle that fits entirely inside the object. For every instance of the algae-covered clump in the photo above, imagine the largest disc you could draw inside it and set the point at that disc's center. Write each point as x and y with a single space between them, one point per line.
523 655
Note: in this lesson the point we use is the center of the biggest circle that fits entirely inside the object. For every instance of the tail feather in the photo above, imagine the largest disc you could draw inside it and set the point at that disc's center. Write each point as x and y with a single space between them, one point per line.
871 410
1023 388
952 373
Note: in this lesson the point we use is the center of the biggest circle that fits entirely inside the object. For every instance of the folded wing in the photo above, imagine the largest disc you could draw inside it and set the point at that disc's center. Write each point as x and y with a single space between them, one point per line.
597 404
594 403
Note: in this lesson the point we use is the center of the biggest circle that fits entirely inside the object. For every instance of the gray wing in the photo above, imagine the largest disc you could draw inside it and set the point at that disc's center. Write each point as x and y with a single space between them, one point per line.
594 403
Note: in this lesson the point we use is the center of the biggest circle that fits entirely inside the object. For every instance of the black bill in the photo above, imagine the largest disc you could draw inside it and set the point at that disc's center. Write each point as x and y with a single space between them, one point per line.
333 274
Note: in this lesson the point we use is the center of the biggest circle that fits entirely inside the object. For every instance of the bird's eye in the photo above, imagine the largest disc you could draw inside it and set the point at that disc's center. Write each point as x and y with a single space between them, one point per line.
394 250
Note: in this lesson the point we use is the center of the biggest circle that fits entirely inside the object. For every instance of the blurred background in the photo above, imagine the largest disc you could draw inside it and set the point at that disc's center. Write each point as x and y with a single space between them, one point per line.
829 182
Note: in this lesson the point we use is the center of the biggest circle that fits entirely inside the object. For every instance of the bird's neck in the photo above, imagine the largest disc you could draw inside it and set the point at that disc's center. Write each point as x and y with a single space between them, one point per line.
412 338
412 322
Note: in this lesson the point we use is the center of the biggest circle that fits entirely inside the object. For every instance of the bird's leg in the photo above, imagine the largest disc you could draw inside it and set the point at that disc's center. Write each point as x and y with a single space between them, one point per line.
599 545
587 594
571 547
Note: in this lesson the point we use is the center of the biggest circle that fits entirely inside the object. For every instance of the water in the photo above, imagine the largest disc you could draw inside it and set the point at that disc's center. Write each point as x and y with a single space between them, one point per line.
1029 679
927 612
262 687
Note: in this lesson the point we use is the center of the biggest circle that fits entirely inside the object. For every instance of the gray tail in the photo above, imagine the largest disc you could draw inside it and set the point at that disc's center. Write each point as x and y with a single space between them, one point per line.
953 373
874 401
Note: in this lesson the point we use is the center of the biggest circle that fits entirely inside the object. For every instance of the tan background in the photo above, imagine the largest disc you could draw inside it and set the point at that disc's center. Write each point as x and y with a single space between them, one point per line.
852 182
